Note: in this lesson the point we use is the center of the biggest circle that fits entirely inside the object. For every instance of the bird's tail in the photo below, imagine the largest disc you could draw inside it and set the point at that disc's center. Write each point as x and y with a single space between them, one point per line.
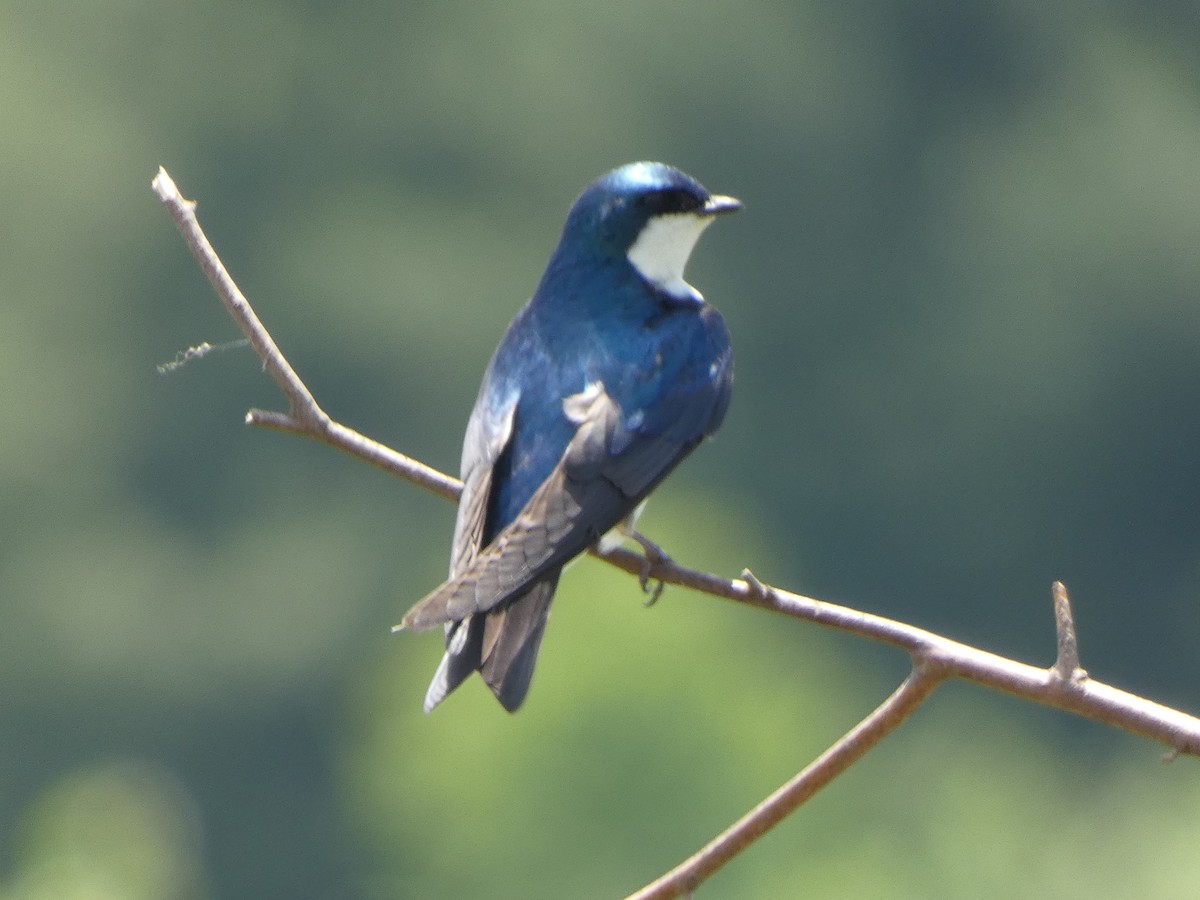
501 644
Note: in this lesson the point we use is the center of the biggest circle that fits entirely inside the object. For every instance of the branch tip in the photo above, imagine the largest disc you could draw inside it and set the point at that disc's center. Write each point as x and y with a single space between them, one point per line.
168 192
163 185
265 418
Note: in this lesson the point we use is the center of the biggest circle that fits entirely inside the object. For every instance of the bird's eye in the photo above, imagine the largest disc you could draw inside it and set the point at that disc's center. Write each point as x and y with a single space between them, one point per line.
671 201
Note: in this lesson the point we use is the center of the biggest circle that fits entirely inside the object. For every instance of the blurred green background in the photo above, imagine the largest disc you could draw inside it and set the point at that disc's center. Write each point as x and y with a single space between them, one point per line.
964 300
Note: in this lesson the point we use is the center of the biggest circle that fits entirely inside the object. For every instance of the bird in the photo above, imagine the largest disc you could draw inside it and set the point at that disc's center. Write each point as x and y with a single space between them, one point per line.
612 373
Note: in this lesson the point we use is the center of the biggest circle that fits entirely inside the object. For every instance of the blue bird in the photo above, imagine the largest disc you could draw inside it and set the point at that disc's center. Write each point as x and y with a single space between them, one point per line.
608 377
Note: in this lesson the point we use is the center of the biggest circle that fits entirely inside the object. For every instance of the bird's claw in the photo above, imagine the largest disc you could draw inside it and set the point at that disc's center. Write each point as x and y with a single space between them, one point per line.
654 592
653 556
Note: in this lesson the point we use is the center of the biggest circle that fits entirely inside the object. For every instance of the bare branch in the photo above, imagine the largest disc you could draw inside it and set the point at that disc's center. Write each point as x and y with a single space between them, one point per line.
184 213
305 416
356 444
888 716
935 658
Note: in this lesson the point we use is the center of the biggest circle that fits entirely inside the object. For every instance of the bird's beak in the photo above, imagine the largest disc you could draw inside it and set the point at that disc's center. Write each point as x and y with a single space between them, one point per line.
719 204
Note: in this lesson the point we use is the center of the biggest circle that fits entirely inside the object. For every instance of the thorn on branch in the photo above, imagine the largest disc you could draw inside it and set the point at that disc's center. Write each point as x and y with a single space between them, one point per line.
756 588
1066 665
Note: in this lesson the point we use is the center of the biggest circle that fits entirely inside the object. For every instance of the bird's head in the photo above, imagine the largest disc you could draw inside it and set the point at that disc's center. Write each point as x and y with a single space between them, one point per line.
649 213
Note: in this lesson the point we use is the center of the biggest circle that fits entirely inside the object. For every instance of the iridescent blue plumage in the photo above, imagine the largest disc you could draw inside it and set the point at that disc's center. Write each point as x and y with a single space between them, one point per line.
608 377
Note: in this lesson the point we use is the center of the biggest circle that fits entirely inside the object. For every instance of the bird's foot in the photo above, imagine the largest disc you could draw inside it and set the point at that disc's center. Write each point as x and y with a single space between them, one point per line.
653 556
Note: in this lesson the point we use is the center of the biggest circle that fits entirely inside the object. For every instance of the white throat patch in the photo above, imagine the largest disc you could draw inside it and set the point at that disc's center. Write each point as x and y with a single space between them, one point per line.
662 249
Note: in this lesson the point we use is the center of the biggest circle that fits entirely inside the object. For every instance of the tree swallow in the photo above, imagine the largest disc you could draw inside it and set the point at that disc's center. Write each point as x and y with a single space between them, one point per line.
608 377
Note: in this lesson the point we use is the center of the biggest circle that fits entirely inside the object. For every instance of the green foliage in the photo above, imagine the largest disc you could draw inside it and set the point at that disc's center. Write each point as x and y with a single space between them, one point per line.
963 296
112 832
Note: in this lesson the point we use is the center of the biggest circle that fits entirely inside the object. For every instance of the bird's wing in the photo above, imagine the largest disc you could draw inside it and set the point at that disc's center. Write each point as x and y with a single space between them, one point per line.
488 433
607 467
569 511
643 450
469 642
669 415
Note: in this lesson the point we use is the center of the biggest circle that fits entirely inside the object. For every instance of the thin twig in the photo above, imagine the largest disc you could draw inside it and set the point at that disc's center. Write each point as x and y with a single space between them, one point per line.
885 719
935 659
305 416
183 211
357 444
